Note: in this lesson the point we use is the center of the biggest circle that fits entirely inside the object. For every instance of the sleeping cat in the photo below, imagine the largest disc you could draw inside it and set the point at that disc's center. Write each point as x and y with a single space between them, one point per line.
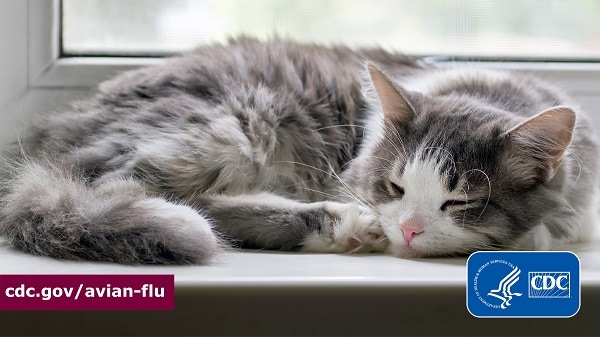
289 146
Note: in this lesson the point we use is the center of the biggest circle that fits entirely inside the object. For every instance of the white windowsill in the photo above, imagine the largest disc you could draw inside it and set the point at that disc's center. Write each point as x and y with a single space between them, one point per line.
87 72
250 268
287 293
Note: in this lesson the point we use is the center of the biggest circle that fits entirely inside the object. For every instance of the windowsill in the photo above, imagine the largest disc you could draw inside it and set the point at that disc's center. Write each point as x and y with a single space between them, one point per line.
288 293
87 72
252 268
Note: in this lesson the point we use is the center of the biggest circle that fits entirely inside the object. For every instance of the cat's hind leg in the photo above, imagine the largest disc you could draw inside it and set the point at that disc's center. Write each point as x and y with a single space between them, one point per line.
48 211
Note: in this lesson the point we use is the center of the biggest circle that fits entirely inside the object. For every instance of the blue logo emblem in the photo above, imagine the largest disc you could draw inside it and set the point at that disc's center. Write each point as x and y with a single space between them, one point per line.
523 284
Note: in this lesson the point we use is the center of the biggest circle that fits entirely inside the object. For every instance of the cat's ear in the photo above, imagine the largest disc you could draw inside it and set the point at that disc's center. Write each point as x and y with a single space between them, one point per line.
545 138
396 108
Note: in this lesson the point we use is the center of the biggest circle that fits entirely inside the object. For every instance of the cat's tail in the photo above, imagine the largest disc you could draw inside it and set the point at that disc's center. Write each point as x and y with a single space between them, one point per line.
49 211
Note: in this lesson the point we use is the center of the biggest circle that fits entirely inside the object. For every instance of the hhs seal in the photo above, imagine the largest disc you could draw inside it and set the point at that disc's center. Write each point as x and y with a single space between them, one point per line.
523 284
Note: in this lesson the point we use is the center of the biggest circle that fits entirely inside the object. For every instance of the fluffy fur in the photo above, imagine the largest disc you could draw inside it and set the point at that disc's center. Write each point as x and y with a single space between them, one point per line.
474 160
280 145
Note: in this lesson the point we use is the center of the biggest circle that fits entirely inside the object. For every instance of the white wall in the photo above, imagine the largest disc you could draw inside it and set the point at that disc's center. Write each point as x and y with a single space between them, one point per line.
13 65
23 62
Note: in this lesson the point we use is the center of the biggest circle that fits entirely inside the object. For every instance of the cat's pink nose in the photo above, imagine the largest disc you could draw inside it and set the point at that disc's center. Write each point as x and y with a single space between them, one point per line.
412 227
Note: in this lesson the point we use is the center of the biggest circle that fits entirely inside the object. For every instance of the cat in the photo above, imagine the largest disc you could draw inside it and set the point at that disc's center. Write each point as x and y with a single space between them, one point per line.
302 147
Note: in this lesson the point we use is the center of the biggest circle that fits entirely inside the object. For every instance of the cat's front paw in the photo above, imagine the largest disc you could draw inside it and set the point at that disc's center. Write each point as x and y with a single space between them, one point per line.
347 228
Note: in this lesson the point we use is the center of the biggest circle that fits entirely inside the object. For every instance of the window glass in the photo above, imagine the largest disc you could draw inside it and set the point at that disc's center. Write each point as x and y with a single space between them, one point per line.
567 29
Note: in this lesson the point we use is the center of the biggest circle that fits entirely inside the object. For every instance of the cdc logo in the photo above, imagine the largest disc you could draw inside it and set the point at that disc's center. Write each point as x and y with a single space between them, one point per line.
523 284
549 284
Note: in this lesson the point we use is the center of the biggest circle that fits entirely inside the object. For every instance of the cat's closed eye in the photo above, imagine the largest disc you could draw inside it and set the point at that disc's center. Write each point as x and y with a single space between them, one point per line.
398 191
451 205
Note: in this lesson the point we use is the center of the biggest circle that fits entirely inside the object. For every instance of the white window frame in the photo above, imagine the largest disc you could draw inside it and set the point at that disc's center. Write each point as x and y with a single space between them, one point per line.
52 81
48 70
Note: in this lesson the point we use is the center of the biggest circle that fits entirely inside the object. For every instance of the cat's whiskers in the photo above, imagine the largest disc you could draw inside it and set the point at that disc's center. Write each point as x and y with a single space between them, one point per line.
465 211
331 197
392 153
352 190
400 140
448 154
581 249
403 151
352 194
391 162
378 172
577 159
489 189
301 186
400 153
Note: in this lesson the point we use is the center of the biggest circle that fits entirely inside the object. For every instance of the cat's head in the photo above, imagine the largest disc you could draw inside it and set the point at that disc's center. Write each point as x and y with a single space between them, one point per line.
450 175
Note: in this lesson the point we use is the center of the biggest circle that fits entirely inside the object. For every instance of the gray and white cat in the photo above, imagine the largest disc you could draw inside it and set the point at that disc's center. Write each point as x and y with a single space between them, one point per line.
281 145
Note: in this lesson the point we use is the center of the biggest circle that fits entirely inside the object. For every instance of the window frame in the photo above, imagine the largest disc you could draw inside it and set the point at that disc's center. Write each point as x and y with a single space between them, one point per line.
49 69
